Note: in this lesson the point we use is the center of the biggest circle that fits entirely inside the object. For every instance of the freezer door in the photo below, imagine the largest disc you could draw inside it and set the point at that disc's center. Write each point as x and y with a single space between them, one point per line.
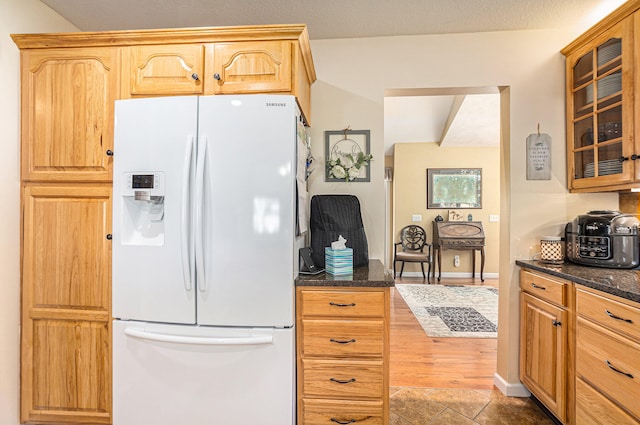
170 374
153 259
247 269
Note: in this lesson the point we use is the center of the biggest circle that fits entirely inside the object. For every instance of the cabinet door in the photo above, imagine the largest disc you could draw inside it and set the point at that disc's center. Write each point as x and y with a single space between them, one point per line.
253 67
164 70
543 341
66 301
600 148
67 113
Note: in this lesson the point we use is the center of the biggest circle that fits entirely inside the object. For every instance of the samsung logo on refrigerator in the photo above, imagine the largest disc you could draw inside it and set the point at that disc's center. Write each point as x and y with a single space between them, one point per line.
277 104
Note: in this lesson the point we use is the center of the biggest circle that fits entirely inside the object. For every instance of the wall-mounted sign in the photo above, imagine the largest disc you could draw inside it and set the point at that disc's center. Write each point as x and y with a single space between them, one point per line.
539 157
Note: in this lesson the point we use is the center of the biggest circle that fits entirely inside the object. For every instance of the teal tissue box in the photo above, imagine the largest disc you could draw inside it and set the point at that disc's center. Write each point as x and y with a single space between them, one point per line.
338 261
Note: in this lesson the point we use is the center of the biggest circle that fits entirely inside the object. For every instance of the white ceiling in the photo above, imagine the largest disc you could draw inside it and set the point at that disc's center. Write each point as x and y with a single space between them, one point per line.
449 119
333 18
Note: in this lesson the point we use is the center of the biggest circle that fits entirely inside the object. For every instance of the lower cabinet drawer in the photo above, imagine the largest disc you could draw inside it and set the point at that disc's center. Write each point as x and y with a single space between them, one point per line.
592 408
337 304
618 317
343 379
609 363
332 412
543 287
343 338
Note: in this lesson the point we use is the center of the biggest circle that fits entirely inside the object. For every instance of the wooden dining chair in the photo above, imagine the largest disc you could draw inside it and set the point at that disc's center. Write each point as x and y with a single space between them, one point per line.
410 249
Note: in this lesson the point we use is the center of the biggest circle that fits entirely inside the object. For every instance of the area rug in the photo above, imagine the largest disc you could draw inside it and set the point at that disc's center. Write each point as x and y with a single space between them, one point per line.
462 311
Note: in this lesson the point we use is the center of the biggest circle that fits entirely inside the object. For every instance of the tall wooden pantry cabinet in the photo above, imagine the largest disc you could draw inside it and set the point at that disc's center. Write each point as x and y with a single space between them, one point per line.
69 83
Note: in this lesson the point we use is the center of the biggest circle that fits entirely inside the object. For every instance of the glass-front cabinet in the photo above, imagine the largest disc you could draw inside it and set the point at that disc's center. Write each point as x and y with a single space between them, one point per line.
600 144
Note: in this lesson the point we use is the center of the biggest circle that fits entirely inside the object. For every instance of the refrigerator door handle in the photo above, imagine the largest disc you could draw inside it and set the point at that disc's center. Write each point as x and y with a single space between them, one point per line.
187 268
202 152
194 340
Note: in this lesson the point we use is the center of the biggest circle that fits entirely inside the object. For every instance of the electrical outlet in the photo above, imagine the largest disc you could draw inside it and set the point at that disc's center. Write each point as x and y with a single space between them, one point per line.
493 218
416 218
456 261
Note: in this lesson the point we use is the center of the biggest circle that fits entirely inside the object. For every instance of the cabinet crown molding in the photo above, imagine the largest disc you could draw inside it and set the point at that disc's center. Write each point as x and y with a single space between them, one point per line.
611 19
294 32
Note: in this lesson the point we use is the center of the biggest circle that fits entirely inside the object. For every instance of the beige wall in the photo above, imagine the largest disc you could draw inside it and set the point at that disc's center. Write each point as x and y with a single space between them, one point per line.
352 76
411 161
335 108
16 16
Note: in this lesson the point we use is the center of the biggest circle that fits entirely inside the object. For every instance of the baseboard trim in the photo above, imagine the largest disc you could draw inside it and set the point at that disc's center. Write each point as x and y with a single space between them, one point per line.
510 390
450 275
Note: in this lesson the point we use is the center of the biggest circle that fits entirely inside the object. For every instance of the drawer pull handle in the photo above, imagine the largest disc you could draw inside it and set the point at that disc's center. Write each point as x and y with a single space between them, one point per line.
538 286
348 341
338 421
342 305
613 316
339 381
556 323
628 375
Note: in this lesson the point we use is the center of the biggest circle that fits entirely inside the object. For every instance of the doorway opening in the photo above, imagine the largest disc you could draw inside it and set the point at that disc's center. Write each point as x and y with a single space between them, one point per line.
445 128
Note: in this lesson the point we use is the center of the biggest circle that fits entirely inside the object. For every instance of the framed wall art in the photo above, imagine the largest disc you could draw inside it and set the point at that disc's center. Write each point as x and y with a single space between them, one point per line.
455 215
454 188
347 155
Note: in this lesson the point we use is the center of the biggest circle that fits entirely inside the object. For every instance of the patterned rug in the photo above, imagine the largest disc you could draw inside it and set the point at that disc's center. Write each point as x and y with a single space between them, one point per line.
453 311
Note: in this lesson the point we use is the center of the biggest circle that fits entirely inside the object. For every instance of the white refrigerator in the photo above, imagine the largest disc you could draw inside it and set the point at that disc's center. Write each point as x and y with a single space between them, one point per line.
204 259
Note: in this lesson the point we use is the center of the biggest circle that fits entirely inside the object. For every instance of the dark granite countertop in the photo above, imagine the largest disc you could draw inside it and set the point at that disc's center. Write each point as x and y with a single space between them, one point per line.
373 275
624 283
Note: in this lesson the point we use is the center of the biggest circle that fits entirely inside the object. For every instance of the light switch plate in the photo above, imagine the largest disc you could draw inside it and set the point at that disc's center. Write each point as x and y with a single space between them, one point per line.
493 218
416 217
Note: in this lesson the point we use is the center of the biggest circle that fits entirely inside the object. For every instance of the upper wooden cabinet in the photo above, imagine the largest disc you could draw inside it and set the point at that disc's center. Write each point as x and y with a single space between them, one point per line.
237 60
67 113
173 69
195 61
601 76
253 67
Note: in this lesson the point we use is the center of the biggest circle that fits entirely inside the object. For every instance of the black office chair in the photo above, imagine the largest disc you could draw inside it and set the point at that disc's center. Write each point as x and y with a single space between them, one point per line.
413 240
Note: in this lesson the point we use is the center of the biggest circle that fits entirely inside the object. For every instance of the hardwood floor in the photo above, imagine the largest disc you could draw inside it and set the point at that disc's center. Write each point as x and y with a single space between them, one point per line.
420 361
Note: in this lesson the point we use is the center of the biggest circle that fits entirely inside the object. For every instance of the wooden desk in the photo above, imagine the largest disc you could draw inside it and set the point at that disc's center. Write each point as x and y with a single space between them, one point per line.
459 235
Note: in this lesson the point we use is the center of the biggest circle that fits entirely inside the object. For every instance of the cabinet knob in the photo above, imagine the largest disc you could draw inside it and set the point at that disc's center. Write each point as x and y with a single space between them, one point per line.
195 76
109 236
634 157
109 152
216 76
556 323
623 158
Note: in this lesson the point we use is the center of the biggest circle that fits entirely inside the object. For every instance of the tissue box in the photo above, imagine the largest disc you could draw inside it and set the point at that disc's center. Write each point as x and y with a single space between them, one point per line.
338 261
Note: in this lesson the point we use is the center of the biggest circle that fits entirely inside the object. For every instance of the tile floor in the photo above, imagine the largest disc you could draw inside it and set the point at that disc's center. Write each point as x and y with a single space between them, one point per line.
428 406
